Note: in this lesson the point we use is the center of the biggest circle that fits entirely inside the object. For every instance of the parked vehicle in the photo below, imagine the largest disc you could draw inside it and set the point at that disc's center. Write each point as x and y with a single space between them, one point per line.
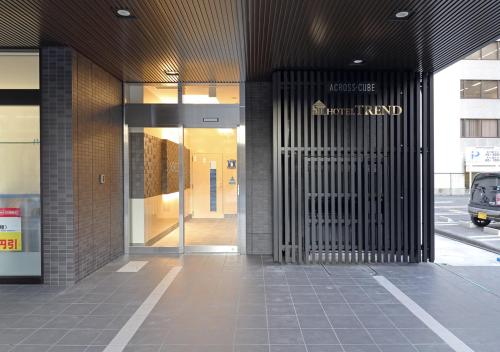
484 202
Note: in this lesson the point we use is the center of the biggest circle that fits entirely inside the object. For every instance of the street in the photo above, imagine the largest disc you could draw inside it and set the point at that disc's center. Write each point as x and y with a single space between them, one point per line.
453 221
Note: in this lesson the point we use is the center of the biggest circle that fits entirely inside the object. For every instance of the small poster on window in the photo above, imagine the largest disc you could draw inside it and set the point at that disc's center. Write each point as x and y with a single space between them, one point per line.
10 230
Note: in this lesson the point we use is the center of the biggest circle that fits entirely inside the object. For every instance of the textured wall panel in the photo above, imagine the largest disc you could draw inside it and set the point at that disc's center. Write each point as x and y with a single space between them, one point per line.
81 122
347 185
152 166
171 151
97 105
136 160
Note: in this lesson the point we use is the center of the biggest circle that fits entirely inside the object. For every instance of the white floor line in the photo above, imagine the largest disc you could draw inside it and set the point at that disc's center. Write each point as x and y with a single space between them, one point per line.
126 333
132 266
446 335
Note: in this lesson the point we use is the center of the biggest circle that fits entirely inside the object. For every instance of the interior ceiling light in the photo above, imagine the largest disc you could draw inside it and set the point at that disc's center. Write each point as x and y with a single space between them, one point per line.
123 13
171 73
357 61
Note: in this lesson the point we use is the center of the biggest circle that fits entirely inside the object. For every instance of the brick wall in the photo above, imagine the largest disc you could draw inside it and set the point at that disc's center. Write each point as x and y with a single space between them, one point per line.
57 131
81 123
259 166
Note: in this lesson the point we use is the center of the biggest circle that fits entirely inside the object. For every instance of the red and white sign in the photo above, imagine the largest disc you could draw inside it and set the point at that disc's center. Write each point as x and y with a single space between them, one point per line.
10 230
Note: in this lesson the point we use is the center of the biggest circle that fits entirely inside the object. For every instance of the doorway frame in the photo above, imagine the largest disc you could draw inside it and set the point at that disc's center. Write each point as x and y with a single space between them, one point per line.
187 116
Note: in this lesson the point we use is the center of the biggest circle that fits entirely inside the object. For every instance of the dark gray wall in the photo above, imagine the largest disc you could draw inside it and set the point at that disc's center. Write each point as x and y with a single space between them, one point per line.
259 166
57 168
81 129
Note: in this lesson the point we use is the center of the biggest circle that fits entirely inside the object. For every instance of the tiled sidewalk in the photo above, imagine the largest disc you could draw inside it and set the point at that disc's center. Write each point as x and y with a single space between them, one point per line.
232 303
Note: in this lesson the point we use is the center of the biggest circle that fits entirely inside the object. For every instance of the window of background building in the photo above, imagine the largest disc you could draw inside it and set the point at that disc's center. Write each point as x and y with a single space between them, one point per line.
480 128
20 206
476 89
489 89
489 52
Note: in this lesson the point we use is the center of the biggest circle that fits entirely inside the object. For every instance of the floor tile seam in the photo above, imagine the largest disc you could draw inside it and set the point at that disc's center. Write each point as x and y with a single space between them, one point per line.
236 319
359 321
265 304
432 324
389 319
52 345
324 312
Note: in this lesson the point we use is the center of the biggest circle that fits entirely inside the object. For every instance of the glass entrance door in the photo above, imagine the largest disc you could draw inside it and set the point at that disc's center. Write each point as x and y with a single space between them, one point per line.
211 183
154 189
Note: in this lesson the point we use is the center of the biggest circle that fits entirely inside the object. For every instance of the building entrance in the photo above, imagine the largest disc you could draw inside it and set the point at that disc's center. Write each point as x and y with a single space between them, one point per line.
211 222
184 189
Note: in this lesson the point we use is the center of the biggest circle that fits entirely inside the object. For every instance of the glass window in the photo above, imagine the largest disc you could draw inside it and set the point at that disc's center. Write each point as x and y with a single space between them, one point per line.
474 56
489 128
20 191
211 94
489 89
490 52
471 128
19 70
154 192
20 206
471 89
151 93
480 128
192 93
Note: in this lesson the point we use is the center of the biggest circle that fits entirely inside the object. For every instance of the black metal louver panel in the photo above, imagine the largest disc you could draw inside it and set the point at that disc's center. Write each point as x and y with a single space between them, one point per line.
352 188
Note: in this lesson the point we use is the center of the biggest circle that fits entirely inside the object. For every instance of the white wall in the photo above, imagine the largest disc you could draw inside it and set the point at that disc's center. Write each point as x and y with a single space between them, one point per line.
449 109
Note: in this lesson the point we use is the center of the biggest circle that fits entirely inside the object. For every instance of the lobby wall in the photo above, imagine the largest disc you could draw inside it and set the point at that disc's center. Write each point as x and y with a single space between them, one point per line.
81 133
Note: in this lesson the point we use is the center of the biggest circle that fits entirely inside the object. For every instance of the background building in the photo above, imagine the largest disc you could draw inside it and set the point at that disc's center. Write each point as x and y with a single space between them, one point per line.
467 114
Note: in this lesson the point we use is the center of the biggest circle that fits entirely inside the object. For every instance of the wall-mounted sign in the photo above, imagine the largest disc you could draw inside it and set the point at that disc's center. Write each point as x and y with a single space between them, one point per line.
10 230
482 159
231 164
319 108
353 87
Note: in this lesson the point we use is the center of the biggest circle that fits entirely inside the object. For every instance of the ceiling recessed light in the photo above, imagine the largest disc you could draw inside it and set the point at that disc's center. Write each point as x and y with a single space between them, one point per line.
171 73
357 61
402 15
123 13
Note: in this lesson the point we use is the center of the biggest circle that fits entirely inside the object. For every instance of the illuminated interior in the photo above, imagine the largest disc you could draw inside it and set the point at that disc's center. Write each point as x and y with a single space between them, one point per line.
209 216
167 93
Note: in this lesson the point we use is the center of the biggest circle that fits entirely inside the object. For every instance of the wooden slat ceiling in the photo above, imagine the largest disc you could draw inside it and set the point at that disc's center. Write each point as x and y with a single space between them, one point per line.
238 40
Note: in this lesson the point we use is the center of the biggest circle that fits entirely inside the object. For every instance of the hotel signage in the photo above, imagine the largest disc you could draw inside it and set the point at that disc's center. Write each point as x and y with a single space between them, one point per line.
319 108
353 87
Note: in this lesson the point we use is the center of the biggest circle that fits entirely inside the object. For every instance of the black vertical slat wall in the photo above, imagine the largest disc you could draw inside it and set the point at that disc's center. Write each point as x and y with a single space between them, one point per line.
356 188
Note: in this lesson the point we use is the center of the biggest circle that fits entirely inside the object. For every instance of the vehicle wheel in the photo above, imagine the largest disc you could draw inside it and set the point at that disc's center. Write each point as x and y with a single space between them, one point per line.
479 222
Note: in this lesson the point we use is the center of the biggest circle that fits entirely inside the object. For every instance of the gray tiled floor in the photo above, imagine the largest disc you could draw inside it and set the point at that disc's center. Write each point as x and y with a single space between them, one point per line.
248 304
